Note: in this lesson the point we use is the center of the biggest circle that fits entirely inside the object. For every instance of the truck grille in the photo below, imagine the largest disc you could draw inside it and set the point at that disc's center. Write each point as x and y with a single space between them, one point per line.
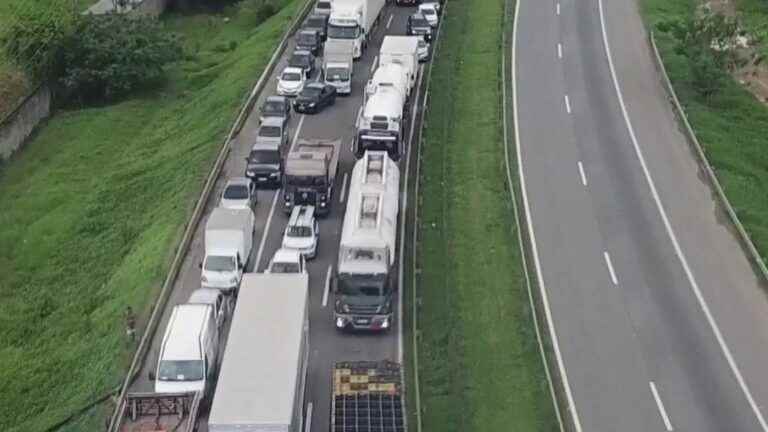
304 197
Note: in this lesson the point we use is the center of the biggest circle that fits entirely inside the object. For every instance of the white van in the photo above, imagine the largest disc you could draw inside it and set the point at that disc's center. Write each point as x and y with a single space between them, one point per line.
188 355
222 304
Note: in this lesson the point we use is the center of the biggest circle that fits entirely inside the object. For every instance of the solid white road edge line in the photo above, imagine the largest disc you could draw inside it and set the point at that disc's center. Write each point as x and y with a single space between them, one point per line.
308 424
557 9
670 232
327 286
373 65
660 406
610 268
559 50
389 21
266 231
567 104
343 188
403 212
582 174
537 261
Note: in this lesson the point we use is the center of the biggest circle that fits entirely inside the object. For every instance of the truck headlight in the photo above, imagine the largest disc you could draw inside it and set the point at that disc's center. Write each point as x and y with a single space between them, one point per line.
312 104
385 323
340 322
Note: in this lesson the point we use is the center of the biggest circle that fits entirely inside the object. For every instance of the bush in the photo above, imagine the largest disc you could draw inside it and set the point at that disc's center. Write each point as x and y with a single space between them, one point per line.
112 55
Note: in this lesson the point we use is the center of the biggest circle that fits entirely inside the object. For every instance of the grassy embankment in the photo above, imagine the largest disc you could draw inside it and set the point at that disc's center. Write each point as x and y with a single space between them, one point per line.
480 368
92 208
731 126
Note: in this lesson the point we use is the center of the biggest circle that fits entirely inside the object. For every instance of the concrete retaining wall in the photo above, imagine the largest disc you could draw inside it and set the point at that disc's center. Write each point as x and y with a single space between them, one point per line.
19 125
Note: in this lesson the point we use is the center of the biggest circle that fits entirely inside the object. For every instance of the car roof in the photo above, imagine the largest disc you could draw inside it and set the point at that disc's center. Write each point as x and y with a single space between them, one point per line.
272 121
276 98
286 255
294 70
427 5
204 296
308 31
316 16
418 15
302 216
238 181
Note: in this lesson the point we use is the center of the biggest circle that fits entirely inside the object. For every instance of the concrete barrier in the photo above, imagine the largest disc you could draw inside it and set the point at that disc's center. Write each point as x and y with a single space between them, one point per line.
19 125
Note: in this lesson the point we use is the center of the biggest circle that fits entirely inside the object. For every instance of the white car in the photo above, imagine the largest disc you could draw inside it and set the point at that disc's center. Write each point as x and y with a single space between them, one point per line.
221 303
287 261
291 81
239 193
423 50
302 231
429 10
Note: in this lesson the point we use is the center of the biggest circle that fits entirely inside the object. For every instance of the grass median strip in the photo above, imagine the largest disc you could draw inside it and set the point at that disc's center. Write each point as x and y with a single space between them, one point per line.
480 368
92 208
730 125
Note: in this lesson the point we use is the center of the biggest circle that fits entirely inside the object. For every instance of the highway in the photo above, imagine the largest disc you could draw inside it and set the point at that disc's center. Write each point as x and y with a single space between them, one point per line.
326 344
657 319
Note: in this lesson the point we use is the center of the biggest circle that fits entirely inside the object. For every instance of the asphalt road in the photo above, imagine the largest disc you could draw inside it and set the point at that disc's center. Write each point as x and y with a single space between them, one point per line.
660 321
326 344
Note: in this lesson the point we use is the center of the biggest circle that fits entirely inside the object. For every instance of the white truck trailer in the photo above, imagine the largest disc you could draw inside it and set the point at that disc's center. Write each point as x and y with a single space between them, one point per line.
354 20
380 124
402 50
389 75
338 64
365 279
263 375
228 244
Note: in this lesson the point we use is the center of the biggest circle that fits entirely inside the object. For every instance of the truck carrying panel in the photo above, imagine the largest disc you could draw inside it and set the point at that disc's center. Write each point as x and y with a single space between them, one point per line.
367 397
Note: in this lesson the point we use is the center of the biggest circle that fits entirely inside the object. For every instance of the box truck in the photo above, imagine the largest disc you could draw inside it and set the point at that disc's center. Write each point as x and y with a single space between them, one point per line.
338 64
389 75
228 244
402 50
263 375
354 20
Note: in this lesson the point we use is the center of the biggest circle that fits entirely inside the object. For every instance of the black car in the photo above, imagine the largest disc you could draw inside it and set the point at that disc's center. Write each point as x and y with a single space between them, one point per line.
419 26
309 40
304 60
317 22
276 106
314 97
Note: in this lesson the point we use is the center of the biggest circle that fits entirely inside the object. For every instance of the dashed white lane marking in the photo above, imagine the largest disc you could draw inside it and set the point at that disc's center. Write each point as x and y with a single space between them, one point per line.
660 405
557 9
343 188
389 21
583 175
610 268
567 104
327 286
559 50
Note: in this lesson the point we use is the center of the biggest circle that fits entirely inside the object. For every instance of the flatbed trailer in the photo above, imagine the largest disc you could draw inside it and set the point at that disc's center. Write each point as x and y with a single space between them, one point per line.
154 412
367 396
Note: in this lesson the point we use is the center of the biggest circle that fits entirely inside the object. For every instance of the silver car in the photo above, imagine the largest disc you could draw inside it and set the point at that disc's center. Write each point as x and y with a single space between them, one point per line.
238 193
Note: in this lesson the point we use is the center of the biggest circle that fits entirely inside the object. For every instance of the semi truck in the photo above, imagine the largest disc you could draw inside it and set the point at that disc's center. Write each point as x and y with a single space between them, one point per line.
402 50
367 393
354 20
263 376
379 126
310 172
338 64
364 280
228 244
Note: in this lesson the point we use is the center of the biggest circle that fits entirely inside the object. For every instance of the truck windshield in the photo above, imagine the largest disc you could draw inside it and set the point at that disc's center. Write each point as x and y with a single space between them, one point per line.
236 192
273 107
323 5
316 22
343 32
363 285
264 157
306 39
305 181
374 144
180 370
219 263
337 74
299 231
284 267
270 131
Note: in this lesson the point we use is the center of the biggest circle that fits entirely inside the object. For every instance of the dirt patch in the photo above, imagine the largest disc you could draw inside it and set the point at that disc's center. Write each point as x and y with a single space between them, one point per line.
13 87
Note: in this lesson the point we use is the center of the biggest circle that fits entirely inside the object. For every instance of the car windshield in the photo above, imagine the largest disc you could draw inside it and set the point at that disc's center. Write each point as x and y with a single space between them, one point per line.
299 231
427 11
290 76
337 74
236 192
323 5
362 285
343 32
316 22
284 267
180 370
299 60
419 22
264 157
273 107
306 181
311 91
219 263
306 39
270 131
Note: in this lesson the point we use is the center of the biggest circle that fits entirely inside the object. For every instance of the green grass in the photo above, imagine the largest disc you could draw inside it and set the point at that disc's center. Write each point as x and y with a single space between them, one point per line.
480 368
91 210
731 127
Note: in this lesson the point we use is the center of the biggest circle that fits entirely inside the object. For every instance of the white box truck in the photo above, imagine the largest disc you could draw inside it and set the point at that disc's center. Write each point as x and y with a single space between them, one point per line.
338 64
263 375
354 20
188 355
228 244
365 279
402 50
380 124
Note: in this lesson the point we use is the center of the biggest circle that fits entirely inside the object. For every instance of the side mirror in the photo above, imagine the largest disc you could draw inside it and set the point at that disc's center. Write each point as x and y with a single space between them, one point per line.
200 264
240 265
151 375
246 158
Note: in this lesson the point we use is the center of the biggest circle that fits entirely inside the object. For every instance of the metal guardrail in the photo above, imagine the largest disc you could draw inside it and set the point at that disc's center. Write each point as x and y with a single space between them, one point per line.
746 241
197 213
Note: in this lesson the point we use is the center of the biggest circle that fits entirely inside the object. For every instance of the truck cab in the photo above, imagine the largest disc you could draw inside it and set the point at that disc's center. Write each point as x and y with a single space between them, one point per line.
346 22
338 65
228 243
310 173
189 352
379 126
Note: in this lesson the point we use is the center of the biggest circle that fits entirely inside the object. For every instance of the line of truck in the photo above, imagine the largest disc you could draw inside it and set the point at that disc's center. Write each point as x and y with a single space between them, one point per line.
259 382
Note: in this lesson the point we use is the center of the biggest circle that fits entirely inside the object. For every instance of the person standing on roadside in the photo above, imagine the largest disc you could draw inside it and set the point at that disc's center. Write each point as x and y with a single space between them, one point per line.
130 324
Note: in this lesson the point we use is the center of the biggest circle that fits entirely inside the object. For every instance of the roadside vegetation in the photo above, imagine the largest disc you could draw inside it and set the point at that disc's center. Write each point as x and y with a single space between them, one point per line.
93 206
480 368
729 122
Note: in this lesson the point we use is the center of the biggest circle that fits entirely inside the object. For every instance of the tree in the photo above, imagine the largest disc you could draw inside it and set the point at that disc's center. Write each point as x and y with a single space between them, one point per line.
111 55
